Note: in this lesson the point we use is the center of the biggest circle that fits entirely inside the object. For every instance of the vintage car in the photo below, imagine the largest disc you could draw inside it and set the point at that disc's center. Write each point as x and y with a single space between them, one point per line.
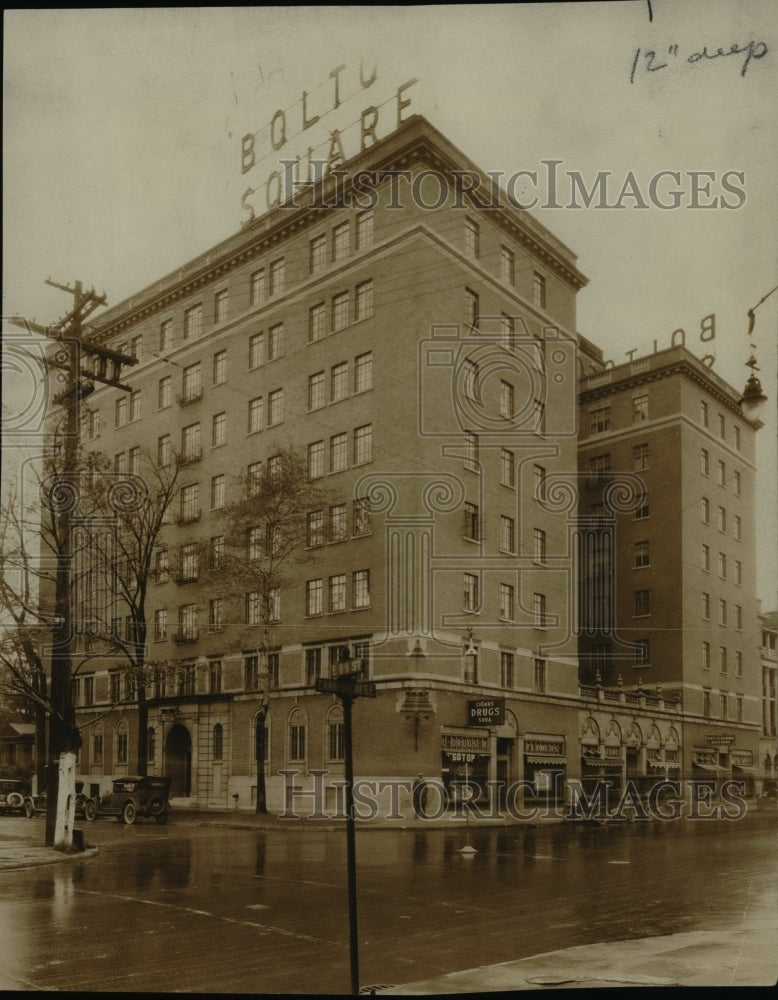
132 797
37 803
13 795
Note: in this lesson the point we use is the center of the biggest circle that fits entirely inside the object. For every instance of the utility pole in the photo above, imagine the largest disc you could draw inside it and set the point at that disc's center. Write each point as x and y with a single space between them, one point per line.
64 739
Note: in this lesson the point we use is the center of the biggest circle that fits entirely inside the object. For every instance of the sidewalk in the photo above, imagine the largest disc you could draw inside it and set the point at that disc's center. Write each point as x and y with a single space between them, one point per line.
21 852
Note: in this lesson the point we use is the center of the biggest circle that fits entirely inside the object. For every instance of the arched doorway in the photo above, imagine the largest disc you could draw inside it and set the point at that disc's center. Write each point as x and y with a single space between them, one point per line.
178 761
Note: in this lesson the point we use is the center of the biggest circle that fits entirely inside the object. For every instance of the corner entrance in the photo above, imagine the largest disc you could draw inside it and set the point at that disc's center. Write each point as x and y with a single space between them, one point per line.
178 761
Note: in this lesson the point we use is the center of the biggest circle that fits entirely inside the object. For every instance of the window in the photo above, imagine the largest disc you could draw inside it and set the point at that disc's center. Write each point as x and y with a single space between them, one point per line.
738 618
318 254
340 241
160 628
738 571
151 744
507 332
217 492
297 735
706 656
188 560
316 391
187 622
364 302
471 451
190 443
337 592
721 426
161 566
722 473
193 322
165 392
507 400
220 303
507 265
724 704
722 566
313 597
253 608
256 414
506 601
739 707
639 408
642 652
737 437
470 526
218 731
254 479
363 372
642 555
471 308
277 277
339 311
336 746
738 527
539 482
122 742
316 460
722 519
472 247
363 444
599 419
220 368
133 460
737 484
539 610
337 531
704 462
274 468
539 290
338 452
192 387
217 551
507 669
317 322
275 407
254 537
640 457
339 381
705 557
190 502
470 381
723 659
360 580
539 676
257 287
739 663
166 336
642 603
122 410
507 534
361 518
273 665
218 429
703 413
215 615
275 342
136 347
643 510
471 592
706 606
251 672
722 612
256 350
539 545
314 528
599 467
706 695
364 230
507 467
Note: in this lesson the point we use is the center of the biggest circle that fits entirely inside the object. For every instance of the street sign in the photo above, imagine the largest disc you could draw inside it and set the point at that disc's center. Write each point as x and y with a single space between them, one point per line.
344 685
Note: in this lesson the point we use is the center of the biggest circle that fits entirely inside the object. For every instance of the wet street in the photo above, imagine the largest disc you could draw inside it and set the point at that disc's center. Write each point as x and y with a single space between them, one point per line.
197 908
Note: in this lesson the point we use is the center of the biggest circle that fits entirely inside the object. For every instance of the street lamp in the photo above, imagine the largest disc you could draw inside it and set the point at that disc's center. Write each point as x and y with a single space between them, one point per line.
753 399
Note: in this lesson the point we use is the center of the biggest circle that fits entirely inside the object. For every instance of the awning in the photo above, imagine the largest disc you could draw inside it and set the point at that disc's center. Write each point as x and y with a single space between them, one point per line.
667 763
746 767
547 759
710 767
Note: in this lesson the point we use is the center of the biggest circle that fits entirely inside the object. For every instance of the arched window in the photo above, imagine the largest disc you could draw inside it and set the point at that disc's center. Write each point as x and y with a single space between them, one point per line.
151 744
297 735
335 744
122 742
218 741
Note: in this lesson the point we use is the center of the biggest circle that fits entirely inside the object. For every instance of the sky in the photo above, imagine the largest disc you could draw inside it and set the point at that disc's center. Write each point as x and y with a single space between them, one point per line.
123 131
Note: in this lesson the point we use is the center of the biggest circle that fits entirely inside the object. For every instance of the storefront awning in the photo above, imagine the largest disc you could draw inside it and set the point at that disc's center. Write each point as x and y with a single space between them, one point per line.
667 763
710 767
746 767
532 758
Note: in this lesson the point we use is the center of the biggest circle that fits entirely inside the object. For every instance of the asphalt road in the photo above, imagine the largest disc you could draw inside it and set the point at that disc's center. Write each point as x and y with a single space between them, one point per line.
200 909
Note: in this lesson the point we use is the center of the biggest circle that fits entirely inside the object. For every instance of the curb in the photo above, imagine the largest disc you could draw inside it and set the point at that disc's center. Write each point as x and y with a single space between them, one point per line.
50 857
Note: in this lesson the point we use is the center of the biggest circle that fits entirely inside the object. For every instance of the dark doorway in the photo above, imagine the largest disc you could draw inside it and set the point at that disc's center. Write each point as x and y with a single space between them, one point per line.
178 761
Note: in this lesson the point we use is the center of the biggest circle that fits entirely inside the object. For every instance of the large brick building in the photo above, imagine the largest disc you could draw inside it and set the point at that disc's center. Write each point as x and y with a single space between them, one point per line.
421 350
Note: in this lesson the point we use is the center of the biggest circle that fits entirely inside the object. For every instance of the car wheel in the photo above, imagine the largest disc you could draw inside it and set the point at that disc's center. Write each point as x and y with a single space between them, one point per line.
155 805
15 800
90 811
129 813
161 818
29 808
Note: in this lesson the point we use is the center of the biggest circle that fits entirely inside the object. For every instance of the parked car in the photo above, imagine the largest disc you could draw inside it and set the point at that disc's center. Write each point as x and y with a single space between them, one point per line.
37 803
13 795
132 797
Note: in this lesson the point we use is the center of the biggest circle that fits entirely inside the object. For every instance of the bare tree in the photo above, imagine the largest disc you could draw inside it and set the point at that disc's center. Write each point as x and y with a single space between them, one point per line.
265 534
